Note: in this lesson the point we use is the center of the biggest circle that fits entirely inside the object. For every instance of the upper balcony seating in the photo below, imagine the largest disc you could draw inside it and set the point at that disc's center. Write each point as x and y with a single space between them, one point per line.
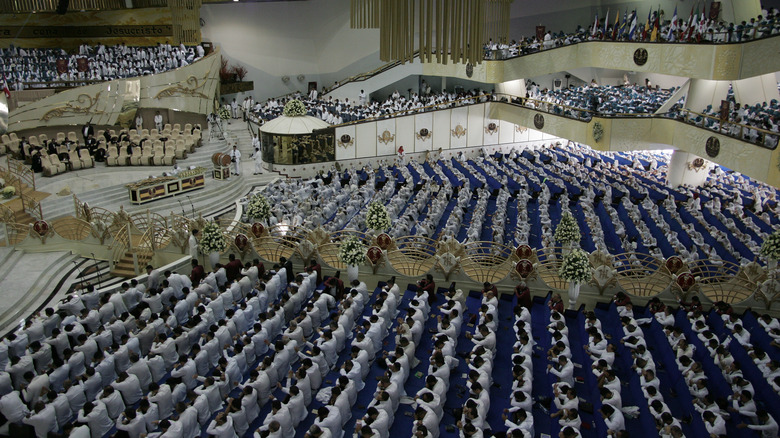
38 68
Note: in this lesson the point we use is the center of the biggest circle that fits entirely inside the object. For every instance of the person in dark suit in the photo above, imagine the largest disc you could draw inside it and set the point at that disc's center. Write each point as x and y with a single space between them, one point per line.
233 269
37 164
197 274
488 287
91 143
315 267
87 131
288 267
427 284
523 294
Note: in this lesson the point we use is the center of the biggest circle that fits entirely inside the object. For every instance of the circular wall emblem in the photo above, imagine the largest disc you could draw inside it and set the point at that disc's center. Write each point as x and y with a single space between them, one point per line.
374 254
712 146
640 56
241 241
524 268
492 126
345 138
524 252
41 227
539 121
424 132
673 264
686 281
383 241
257 229
469 70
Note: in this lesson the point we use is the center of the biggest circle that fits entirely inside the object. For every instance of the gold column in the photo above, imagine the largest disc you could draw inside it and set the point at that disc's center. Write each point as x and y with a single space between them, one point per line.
185 15
364 14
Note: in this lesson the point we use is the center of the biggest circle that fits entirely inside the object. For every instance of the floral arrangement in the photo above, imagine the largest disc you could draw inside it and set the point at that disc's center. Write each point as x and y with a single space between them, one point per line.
575 267
377 217
191 172
598 131
223 112
8 192
258 207
212 239
294 108
771 246
352 251
567 230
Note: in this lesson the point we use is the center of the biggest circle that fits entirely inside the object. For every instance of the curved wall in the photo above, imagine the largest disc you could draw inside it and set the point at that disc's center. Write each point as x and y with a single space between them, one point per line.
188 89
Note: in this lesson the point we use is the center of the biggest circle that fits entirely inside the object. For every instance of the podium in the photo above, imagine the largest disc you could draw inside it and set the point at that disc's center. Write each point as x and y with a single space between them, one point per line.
221 172
152 189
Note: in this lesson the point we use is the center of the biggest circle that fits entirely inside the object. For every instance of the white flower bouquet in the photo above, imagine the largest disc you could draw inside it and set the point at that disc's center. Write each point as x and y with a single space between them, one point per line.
8 192
258 207
567 230
771 246
575 267
377 217
212 239
223 112
294 108
352 252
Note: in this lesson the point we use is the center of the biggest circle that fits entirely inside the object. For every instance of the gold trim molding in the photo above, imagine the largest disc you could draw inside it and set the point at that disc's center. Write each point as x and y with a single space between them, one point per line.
459 131
423 134
386 137
70 107
491 128
189 87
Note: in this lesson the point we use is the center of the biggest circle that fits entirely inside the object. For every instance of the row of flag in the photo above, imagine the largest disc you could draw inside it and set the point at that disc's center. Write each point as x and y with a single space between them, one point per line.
631 28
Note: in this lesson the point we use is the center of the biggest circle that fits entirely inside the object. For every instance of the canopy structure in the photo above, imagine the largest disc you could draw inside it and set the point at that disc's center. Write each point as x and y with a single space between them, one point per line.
298 125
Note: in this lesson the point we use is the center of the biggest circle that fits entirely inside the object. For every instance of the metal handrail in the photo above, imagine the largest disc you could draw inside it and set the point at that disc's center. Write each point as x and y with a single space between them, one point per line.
120 244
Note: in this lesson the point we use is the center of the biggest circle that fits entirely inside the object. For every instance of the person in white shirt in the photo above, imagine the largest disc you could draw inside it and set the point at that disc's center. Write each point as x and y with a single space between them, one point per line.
765 424
139 123
257 156
43 420
158 121
714 423
564 372
235 158
194 244
613 418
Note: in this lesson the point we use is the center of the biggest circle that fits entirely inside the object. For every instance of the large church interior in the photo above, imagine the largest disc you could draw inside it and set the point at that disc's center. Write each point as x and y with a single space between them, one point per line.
389 218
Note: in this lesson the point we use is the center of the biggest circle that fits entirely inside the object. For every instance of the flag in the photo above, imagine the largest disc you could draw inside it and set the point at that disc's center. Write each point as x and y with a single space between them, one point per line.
686 34
703 21
647 25
694 24
656 25
595 26
5 88
673 26
632 28
617 25
606 22
623 25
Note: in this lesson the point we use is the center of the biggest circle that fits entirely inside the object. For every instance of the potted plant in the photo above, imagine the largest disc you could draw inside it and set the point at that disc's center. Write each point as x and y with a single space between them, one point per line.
567 232
377 217
575 269
258 208
212 241
770 249
352 252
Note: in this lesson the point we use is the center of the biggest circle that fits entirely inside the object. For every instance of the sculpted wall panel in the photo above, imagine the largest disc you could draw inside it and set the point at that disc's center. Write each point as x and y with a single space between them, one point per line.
459 123
346 150
441 130
385 131
366 146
